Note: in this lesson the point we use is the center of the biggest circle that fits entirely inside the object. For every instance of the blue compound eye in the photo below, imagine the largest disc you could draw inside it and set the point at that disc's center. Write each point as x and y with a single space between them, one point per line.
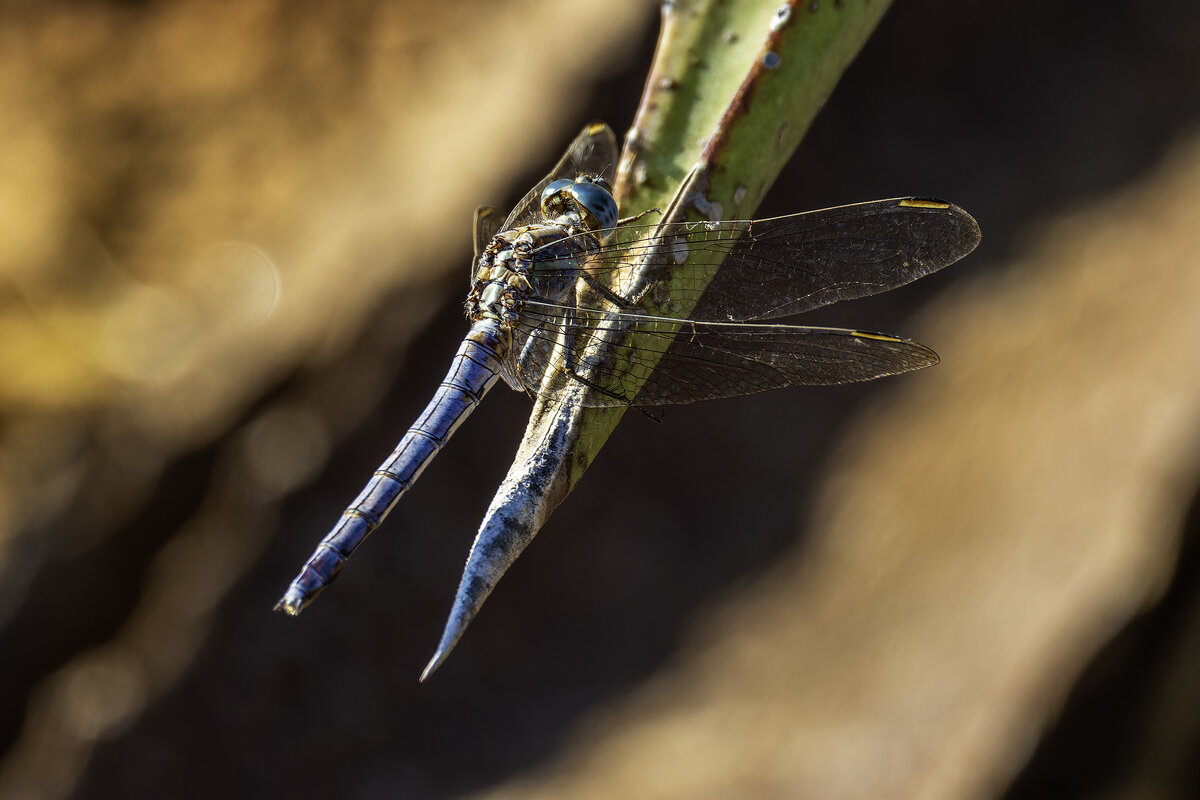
597 208
587 200
554 197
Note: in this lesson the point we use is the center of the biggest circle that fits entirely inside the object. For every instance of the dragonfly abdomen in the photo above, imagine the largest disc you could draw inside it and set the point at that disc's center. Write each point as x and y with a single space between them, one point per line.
474 370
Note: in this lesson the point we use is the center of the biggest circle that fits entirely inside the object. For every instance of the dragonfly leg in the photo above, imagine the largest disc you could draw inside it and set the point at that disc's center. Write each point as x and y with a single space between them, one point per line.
570 355
571 358
616 298
636 217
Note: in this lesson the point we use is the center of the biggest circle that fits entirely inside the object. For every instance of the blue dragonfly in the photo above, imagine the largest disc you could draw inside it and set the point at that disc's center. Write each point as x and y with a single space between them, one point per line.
557 275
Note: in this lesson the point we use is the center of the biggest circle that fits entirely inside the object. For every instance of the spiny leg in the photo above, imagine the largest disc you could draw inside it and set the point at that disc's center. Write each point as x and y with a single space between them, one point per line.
571 359
570 355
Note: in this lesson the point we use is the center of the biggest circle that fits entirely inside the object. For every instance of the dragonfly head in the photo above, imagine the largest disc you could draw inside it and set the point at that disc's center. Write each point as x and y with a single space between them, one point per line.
587 202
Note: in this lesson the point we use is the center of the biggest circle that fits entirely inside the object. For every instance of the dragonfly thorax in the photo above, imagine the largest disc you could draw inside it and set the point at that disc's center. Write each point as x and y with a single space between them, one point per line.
499 284
540 261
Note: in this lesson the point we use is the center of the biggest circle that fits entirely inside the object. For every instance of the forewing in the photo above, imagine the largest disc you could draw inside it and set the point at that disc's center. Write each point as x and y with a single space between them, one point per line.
787 265
594 152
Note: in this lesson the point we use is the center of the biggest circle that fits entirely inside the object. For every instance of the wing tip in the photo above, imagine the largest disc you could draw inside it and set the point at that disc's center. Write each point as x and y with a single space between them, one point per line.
916 355
969 233
595 128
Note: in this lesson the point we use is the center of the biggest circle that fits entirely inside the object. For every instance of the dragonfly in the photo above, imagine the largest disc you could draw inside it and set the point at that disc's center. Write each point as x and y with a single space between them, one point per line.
563 271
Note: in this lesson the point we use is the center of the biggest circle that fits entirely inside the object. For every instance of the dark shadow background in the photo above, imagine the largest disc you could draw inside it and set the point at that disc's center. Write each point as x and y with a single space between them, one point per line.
1015 111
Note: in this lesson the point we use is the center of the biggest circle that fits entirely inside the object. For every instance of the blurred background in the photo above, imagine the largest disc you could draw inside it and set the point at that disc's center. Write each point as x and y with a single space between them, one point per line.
234 245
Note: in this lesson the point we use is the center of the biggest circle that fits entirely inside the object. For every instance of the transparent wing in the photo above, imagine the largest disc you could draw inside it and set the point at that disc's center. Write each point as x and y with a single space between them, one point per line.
688 361
787 265
594 152
763 269
486 225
